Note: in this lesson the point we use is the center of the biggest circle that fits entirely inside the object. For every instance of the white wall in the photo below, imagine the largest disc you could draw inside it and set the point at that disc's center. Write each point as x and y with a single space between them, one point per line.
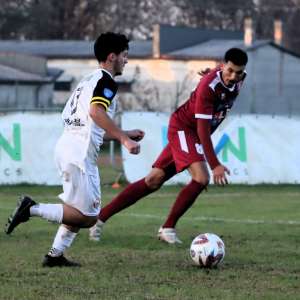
166 83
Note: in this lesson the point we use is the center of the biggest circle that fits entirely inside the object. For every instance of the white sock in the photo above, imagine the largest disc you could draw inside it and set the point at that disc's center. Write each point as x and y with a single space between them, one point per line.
63 240
50 212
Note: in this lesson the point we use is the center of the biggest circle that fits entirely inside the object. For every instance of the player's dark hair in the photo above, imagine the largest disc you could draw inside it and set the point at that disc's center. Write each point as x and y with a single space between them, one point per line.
110 42
237 56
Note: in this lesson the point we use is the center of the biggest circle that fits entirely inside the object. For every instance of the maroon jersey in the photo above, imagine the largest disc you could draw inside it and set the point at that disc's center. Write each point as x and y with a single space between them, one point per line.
206 109
211 100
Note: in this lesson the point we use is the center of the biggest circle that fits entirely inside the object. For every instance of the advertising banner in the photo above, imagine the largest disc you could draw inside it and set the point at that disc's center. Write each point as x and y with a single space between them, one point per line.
256 148
27 143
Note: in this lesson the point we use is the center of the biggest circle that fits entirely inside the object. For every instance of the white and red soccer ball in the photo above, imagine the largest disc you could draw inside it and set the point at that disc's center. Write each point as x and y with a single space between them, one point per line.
207 250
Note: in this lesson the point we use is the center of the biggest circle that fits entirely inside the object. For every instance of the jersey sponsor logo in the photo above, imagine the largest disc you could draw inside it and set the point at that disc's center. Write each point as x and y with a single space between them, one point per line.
108 93
75 122
199 148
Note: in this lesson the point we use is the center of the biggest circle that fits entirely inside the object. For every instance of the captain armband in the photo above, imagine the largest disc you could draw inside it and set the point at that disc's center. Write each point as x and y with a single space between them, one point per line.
100 100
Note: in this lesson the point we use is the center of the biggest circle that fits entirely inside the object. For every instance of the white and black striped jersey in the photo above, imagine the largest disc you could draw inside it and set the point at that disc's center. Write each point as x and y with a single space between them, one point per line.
82 138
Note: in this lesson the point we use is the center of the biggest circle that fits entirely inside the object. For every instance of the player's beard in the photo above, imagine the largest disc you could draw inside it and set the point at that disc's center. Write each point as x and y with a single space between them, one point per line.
119 71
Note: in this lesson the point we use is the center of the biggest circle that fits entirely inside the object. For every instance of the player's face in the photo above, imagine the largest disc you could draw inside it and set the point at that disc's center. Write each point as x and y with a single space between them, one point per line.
232 73
120 62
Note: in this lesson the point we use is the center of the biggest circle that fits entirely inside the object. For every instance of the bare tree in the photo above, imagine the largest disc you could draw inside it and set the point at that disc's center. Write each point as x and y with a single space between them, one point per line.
85 19
182 89
12 17
144 95
150 95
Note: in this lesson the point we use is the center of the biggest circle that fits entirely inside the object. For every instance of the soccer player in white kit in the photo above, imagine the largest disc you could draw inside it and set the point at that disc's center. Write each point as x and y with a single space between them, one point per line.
87 117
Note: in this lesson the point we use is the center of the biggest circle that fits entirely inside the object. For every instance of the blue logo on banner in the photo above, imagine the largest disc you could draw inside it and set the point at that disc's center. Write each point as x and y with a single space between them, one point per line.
108 93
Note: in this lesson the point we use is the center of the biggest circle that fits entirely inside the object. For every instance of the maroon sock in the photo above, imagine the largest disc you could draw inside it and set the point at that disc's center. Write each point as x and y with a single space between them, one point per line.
132 193
185 199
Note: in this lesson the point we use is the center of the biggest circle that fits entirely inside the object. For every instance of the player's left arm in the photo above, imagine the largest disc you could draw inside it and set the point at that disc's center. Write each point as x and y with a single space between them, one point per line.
218 170
103 95
135 134
203 115
102 119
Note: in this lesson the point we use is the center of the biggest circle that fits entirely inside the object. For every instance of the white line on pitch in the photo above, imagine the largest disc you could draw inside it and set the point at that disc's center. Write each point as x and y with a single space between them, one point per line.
222 220
207 195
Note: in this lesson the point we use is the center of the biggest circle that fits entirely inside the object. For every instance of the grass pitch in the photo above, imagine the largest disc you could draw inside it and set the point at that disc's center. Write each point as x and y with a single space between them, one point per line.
260 226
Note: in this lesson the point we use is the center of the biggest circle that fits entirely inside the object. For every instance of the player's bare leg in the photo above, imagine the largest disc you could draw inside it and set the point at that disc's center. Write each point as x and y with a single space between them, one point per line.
74 218
199 172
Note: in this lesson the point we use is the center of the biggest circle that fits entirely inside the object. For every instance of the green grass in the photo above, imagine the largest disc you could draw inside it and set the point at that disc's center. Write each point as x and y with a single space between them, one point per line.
259 225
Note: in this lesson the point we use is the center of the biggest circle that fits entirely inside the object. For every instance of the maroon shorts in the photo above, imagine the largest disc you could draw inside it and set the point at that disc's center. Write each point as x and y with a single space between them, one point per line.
183 149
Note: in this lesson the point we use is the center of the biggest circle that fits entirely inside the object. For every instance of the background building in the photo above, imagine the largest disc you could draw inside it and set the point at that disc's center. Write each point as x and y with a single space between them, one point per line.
161 72
26 82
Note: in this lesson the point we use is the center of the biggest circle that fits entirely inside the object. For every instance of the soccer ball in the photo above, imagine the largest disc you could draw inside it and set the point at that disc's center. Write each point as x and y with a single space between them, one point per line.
207 250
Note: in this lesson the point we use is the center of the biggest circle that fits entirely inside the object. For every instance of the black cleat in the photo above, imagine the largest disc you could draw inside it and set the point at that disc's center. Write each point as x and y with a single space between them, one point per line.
59 261
21 214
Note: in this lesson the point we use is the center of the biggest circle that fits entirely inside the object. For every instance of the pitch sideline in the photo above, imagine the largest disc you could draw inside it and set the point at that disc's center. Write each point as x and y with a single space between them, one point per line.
214 219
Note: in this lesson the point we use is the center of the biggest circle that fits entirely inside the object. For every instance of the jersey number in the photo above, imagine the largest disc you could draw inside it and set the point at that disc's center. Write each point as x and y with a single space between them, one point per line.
75 99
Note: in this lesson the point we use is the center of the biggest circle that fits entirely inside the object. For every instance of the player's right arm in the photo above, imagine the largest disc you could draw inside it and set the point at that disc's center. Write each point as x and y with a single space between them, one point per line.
101 118
203 115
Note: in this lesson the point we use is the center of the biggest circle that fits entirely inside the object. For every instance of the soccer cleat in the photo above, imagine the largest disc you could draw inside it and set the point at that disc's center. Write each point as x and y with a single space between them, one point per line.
96 231
58 261
168 235
21 214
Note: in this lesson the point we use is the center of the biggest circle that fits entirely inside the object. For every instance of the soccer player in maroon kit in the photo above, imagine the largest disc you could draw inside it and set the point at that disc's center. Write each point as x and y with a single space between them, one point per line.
190 146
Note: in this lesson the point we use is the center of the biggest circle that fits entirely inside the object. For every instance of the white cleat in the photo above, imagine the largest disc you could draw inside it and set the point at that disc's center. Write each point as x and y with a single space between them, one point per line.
96 231
168 235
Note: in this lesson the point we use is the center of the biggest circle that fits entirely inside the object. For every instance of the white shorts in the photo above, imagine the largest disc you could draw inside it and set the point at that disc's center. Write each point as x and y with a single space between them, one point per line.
81 190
